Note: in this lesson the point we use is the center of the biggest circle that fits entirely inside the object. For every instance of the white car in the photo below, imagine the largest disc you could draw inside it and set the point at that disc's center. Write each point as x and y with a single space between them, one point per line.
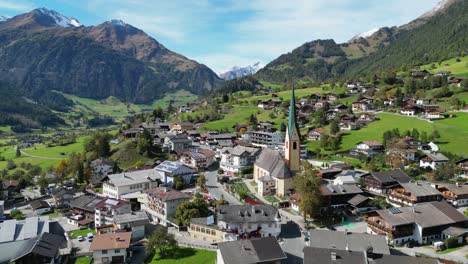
81 238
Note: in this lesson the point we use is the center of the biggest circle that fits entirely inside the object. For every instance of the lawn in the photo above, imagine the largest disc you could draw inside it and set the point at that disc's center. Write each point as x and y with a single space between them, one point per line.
81 232
239 114
448 250
53 215
453 131
299 93
185 255
83 260
459 69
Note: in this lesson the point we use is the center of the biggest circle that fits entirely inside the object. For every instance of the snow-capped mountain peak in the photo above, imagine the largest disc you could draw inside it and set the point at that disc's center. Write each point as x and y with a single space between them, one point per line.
365 34
59 19
238 72
3 18
439 7
116 22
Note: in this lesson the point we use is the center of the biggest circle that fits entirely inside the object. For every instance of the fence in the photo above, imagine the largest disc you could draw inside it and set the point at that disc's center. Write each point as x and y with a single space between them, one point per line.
208 247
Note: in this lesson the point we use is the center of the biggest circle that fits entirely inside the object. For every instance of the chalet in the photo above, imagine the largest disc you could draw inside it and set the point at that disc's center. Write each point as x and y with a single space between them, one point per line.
368 148
433 115
433 160
347 125
338 195
360 204
263 139
421 223
168 170
107 208
315 97
269 104
62 197
234 159
401 156
40 207
83 210
111 247
418 73
353 90
132 132
389 101
457 193
9 188
362 106
332 97
443 73
265 250
410 143
381 182
412 193
410 110
265 126
456 81
198 159
316 134
182 126
217 139
176 142
462 166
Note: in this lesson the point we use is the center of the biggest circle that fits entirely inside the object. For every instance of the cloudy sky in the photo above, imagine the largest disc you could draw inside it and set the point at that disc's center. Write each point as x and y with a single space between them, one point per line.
224 33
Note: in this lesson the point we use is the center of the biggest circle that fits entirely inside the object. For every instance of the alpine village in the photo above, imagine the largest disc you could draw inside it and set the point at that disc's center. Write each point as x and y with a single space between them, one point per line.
115 149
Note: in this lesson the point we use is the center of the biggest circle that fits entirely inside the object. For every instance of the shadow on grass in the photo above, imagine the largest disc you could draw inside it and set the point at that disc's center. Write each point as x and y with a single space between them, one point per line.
179 254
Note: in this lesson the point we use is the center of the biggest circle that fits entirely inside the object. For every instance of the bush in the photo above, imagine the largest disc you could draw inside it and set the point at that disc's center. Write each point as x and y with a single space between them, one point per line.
451 242
220 171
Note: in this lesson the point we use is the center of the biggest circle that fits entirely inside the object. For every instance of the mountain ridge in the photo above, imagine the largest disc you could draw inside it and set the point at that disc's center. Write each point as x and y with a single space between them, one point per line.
238 71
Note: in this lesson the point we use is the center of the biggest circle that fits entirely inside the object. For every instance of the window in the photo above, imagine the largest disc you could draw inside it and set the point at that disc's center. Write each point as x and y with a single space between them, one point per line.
295 145
117 251
104 252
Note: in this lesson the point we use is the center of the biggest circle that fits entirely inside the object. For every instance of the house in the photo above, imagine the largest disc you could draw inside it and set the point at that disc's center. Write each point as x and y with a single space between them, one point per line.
236 158
265 126
168 170
433 160
456 81
40 207
338 195
380 182
433 115
328 173
83 210
347 126
361 204
176 142
462 166
368 148
161 203
334 256
198 159
206 229
422 224
265 250
182 126
107 209
347 241
62 197
127 183
217 139
111 247
44 248
9 188
132 132
362 106
134 222
401 156
460 234
315 134
457 193
412 193
248 221
389 101
345 179
410 110
263 139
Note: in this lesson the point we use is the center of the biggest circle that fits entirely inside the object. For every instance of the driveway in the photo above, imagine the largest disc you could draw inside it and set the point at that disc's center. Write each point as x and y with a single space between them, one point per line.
216 189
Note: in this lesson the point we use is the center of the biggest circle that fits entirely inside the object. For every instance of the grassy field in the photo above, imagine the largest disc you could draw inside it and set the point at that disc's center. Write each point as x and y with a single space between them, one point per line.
53 215
239 114
459 69
287 94
83 260
41 154
185 255
178 98
453 131
81 232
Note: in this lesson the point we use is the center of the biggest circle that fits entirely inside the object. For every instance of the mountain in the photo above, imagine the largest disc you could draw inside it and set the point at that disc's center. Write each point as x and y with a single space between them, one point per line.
238 72
438 34
42 50
3 18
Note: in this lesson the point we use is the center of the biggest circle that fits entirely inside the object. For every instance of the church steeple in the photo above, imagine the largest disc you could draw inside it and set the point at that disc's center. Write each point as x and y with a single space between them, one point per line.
293 140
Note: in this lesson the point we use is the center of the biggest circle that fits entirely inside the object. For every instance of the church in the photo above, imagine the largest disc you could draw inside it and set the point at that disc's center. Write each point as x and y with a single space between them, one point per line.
274 172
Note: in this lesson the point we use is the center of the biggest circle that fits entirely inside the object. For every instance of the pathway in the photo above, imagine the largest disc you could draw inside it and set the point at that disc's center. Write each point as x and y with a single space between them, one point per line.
38 157
216 189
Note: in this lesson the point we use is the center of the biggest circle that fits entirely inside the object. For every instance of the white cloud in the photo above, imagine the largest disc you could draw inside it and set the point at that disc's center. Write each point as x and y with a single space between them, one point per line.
15 5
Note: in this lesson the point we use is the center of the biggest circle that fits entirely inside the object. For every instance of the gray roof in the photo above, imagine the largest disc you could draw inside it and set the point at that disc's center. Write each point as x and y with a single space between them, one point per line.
358 199
425 215
420 189
240 150
258 250
437 157
272 161
352 241
324 256
455 231
131 217
391 176
38 204
86 202
134 177
456 189
247 213
329 189
11 230
171 166
45 244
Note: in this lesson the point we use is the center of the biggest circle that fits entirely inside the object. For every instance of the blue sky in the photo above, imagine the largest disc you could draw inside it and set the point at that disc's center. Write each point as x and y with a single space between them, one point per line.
224 33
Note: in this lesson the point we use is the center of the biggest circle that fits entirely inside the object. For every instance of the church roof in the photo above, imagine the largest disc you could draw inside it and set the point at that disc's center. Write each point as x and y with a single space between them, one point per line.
292 123
272 161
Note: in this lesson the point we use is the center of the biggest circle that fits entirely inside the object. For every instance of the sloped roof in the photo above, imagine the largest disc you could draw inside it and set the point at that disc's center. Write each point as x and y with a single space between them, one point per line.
250 251
358 199
166 194
44 245
272 161
247 213
111 241
392 176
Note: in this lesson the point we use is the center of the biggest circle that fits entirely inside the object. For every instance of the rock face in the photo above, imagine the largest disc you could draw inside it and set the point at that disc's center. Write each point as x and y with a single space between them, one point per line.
43 49
238 72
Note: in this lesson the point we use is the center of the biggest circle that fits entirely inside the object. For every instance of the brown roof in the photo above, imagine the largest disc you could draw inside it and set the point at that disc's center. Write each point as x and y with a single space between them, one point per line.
10 183
372 143
167 194
111 241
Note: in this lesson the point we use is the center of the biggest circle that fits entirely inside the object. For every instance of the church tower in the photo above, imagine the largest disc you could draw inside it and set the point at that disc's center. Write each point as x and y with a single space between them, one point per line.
293 140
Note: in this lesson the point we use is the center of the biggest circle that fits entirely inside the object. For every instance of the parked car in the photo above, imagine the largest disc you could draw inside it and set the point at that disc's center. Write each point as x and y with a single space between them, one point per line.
81 238
90 237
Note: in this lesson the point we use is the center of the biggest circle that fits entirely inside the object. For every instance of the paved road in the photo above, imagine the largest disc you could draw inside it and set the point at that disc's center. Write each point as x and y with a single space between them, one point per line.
457 255
216 189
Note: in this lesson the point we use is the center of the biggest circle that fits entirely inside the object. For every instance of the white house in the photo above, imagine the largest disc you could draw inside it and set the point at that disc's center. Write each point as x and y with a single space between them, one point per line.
107 209
168 170
236 158
433 160
345 179
161 204
40 207
111 247
130 182
369 148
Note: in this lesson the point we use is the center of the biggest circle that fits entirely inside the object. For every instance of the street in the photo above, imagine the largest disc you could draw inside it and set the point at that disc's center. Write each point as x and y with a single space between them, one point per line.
216 189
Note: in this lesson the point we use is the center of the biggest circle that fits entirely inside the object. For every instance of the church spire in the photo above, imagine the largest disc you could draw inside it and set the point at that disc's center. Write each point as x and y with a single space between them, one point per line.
292 122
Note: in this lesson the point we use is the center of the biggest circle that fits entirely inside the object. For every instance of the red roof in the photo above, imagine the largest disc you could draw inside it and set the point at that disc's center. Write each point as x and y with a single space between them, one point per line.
111 202
10 183
319 130
251 201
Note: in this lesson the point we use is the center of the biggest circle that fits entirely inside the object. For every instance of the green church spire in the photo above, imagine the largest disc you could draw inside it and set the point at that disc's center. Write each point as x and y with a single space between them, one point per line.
292 122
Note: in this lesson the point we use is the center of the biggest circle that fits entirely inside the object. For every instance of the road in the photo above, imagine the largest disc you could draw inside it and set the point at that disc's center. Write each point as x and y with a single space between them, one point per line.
216 189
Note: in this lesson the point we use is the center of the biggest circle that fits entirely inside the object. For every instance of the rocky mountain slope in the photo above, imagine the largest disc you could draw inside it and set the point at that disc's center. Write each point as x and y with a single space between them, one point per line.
43 50
238 72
